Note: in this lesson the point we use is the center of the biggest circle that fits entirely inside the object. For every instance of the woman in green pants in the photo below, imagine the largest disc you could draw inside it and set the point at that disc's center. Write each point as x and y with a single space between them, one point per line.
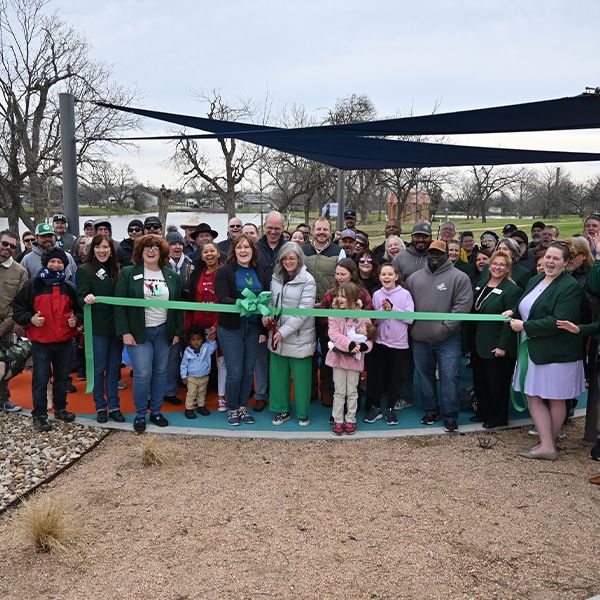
291 339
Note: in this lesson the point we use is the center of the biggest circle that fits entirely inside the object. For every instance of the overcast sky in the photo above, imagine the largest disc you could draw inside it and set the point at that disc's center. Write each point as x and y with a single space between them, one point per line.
404 55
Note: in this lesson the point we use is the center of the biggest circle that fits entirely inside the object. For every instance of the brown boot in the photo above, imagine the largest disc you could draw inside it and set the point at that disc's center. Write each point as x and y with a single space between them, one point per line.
326 398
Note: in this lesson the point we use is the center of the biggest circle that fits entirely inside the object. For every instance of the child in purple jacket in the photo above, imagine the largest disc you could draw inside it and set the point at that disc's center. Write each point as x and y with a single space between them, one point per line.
346 358
390 351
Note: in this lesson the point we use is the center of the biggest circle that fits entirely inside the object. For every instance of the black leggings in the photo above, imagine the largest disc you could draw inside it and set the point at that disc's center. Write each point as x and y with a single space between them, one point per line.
391 369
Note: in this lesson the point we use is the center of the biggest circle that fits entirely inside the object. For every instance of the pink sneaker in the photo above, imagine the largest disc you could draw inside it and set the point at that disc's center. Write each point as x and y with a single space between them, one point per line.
338 428
222 404
350 428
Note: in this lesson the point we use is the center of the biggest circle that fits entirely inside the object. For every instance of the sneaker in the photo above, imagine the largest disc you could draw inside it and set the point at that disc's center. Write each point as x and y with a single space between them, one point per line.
450 425
222 404
116 416
350 428
338 428
202 410
562 434
331 420
122 385
190 413
281 418
533 431
8 406
64 415
402 404
102 416
159 420
595 452
429 418
233 417
390 417
71 389
174 400
41 424
139 424
373 415
304 422
245 417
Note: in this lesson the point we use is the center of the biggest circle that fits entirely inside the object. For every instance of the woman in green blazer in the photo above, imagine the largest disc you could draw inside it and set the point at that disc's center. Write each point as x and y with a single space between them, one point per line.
554 369
493 345
148 332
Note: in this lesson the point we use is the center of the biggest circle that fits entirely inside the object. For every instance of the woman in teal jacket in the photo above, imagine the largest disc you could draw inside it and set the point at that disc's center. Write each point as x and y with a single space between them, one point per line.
554 366
148 332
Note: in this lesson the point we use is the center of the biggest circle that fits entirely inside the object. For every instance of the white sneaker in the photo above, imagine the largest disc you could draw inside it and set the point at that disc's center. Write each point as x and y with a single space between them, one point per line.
562 434
222 404
400 404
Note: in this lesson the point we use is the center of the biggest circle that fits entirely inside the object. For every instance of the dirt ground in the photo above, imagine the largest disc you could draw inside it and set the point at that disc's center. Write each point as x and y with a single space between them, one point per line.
434 517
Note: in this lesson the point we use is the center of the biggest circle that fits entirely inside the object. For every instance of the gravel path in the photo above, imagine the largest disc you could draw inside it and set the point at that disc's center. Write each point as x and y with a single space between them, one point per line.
423 518
27 458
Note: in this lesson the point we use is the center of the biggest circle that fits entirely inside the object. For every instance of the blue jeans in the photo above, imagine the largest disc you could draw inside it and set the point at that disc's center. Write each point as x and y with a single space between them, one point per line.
173 366
262 372
239 347
107 368
446 355
149 361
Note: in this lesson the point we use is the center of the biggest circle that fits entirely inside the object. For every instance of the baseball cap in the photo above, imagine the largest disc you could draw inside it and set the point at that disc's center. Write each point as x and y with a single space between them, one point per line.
422 227
59 217
88 223
348 233
510 228
44 229
439 245
152 220
350 213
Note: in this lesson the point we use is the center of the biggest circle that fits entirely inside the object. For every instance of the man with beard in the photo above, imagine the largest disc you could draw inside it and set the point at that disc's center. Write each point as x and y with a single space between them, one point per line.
438 287
415 256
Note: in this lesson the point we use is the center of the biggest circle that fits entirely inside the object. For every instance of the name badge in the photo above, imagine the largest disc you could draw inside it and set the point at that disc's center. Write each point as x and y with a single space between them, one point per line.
101 274
139 276
496 291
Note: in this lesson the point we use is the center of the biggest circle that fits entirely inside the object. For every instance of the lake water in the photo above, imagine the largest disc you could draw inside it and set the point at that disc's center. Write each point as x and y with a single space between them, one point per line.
218 221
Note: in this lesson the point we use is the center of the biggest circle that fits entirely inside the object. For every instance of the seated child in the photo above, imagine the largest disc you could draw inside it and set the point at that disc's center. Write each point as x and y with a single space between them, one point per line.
194 370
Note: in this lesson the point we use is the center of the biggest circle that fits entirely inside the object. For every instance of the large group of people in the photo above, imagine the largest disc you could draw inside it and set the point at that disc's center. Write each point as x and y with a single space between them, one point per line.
544 286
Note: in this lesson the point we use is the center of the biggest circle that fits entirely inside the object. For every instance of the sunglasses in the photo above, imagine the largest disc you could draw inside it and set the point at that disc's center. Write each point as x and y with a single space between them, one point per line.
9 245
134 230
235 227
153 227
365 261
29 240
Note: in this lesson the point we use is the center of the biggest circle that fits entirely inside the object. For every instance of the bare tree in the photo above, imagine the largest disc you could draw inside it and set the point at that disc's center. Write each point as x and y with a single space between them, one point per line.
488 181
40 56
114 182
551 191
196 164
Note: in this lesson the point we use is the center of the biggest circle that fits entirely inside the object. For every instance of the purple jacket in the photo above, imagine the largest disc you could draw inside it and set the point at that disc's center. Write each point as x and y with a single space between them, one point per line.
393 333
338 329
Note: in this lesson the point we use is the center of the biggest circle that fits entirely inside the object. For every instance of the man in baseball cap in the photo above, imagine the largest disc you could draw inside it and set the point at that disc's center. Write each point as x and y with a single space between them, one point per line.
509 229
64 240
350 219
348 242
153 225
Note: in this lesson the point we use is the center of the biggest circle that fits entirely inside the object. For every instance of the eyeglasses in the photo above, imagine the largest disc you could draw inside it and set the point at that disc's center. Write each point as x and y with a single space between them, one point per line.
28 240
134 230
153 227
9 245
365 261
153 248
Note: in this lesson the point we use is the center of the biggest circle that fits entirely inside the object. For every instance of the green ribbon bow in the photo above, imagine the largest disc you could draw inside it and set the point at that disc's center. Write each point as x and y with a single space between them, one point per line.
251 304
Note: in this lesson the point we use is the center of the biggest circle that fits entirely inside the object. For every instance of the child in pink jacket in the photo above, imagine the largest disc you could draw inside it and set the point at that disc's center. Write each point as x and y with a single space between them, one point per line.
349 338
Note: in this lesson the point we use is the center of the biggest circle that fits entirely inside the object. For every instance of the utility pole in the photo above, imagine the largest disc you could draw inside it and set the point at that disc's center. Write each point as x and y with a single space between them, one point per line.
341 199
66 112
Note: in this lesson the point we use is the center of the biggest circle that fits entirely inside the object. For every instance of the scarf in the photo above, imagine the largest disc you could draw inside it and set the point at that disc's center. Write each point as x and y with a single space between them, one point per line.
50 277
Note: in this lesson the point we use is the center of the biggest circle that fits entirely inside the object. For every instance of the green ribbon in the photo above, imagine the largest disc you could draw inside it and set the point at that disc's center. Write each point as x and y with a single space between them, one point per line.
523 362
252 304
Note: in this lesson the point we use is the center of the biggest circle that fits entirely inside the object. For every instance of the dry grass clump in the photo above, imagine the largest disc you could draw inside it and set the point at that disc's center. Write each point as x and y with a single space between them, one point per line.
154 453
46 525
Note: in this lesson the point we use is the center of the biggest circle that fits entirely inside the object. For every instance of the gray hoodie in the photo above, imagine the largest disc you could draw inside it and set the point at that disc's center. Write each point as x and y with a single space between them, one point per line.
410 261
445 290
32 263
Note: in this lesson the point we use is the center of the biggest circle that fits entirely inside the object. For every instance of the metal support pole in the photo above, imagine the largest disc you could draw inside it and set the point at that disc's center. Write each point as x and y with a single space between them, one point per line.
341 199
66 108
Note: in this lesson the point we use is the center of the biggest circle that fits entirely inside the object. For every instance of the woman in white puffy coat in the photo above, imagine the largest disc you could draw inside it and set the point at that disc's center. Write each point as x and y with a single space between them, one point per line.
292 339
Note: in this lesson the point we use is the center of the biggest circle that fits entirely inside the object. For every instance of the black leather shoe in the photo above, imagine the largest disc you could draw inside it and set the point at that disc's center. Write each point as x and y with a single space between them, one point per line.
117 416
190 413
41 424
64 415
159 420
139 424
202 410
101 416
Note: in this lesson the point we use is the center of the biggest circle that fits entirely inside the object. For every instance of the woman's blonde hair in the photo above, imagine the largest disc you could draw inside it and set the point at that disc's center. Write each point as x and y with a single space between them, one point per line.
581 246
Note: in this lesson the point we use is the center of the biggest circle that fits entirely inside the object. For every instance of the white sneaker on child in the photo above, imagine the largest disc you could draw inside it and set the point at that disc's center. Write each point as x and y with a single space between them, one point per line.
222 404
